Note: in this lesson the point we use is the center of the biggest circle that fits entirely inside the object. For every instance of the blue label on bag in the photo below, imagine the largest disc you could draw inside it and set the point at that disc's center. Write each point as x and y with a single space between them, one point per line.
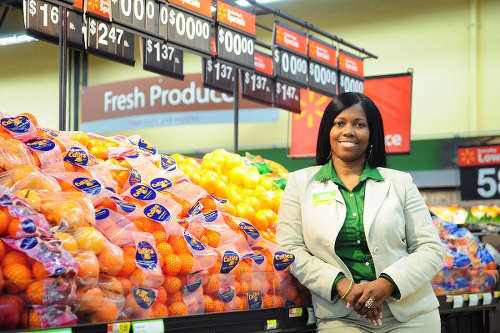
87 185
157 212
41 144
196 209
226 295
145 255
258 258
127 207
146 146
29 243
77 155
223 201
249 229
101 214
135 177
28 226
20 124
254 300
50 132
159 184
282 260
193 286
144 297
210 217
143 192
193 242
168 163
229 260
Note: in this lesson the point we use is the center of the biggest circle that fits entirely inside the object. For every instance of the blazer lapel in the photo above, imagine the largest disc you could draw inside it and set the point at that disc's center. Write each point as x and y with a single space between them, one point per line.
375 194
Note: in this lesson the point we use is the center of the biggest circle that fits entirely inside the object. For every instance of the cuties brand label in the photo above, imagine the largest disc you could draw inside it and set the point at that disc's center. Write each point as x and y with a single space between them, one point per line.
193 242
143 192
229 260
101 214
77 155
144 297
20 124
193 286
212 216
50 132
168 163
41 144
28 226
226 295
282 260
135 177
87 185
254 300
29 243
198 207
258 258
223 201
127 207
249 229
136 155
145 255
157 212
159 184
146 146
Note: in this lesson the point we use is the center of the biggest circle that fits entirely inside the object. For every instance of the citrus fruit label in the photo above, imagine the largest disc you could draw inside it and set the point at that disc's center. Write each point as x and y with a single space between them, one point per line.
196 209
127 207
254 299
144 297
87 185
210 217
50 132
28 243
168 163
192 287
135 177
146 146
101 214
28 226
249 229
193 242
157 212
229 260
110 189
136 155
218 199
77 156
226 295
143 192
258 258
19 124
41 144
145 255
282 260
159 184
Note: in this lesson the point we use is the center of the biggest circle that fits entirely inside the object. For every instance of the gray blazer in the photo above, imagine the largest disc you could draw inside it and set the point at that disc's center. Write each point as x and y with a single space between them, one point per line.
399 231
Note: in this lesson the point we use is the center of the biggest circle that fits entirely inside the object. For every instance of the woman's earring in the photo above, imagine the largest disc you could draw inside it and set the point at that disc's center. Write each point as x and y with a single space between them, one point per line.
370 153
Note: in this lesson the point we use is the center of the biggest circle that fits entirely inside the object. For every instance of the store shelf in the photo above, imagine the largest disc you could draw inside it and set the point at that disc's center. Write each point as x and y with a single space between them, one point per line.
268 320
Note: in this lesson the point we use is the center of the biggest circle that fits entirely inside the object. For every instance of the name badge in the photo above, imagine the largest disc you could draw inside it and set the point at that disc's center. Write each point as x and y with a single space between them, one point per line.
323 198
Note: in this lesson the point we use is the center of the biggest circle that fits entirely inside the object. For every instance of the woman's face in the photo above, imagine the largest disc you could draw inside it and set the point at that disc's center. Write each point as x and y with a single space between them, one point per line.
350 135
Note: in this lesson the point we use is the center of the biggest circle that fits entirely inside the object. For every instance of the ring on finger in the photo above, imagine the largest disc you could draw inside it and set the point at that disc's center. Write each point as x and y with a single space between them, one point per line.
369 302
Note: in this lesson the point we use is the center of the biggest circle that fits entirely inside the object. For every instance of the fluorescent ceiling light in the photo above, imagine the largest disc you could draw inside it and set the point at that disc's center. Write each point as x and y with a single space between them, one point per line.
245 3
15 39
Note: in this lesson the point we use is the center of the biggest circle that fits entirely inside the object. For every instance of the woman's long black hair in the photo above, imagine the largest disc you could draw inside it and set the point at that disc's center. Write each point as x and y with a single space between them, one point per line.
377 157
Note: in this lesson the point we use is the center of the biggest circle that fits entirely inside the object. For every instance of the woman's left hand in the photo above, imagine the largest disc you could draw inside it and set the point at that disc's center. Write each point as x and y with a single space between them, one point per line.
379 289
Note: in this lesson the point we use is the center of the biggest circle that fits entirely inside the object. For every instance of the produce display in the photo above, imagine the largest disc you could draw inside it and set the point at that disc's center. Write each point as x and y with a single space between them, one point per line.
460 215
97 229
468 267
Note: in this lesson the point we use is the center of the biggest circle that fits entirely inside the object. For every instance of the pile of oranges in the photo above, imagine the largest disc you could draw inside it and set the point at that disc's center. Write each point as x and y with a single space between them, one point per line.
125 216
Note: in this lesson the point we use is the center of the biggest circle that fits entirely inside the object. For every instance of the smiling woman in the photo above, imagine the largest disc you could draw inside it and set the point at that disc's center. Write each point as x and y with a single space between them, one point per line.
362 236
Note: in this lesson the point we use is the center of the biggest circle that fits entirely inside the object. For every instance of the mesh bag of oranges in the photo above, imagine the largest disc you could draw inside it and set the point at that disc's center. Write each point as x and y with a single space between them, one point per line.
48 291
117 228
13 153
28 178
188 195
40 316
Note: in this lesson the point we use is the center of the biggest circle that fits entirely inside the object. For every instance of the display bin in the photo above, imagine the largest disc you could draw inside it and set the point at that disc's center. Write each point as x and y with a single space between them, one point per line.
469 319
266 320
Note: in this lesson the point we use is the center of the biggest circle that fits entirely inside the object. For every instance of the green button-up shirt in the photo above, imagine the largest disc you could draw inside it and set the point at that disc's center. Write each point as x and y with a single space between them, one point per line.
351 245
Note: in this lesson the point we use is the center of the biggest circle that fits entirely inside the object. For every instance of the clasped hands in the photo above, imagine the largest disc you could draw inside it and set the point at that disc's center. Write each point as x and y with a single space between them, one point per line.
379 290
